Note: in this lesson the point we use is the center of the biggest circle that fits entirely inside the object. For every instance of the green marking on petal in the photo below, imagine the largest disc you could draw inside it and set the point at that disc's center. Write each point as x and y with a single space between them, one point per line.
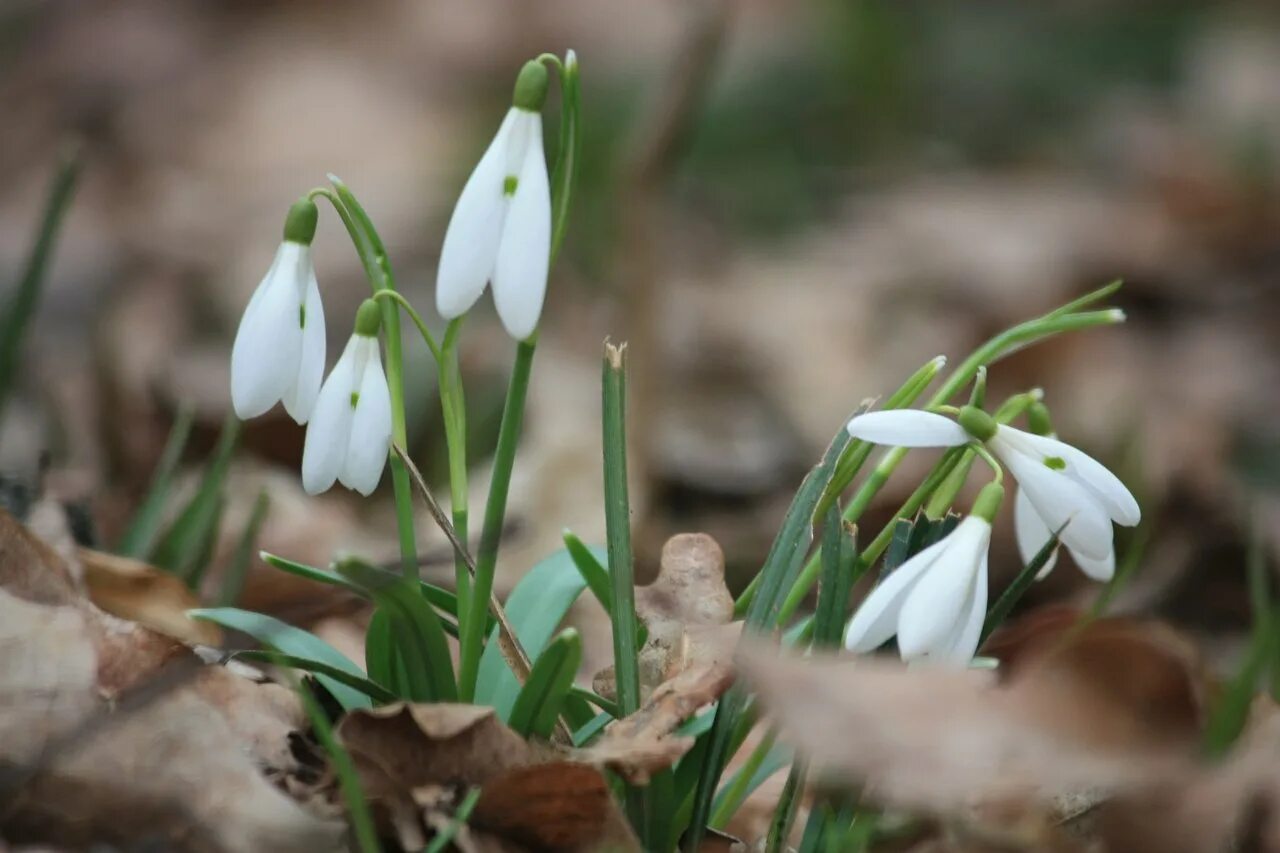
302 316
355 398
509 184
1057 463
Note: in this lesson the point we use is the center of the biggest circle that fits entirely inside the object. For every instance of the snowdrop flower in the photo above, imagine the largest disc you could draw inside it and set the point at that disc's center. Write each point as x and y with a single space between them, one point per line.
350 435
936 601
501 228
1065 487
1032 532
278 353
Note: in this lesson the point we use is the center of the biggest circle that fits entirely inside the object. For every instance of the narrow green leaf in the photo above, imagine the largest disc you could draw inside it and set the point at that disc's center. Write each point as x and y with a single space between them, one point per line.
21 306
617 510
595 699
416 629
766 759
592 570
376 692
540 700
780 569
286 639
181 548
348 779
438 596
564 174
535 608
838 562
140 536
585 734
1017 588
445 836
238 569
380 654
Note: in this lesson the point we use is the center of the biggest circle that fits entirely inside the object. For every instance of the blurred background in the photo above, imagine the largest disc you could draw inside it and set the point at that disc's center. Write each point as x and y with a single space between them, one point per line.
784 207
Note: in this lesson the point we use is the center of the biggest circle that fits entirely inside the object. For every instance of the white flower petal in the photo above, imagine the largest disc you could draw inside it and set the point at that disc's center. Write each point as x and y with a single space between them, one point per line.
300 398
1105 486
1031 532
908 428
931 612
963 644
1100 570
264 357
877 619
1059 500
470 247
524 254
370 429
328 434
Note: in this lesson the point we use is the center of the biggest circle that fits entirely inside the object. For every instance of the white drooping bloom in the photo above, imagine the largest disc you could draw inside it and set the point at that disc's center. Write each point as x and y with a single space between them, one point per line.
278 353
1065 488
935 602
500 230
1063 485
350 434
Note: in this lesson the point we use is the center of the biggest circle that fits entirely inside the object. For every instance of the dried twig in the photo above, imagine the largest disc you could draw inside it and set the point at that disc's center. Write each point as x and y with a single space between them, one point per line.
512 651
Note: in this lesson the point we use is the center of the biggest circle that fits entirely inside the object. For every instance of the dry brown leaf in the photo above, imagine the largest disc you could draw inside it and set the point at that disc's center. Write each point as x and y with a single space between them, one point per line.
943 741
410 756
170 762
686 662
132 589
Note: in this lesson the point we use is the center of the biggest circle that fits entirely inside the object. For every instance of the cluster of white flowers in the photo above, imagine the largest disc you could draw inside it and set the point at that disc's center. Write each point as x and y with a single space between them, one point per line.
936 601
500 232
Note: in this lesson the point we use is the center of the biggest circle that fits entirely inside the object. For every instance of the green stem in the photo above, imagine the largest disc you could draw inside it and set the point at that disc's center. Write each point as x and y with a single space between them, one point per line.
495 511
732 797
377 266
454 411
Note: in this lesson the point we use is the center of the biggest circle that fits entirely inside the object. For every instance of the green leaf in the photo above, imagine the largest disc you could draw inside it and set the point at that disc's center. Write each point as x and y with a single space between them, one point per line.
418 635
441 598
140 536
585 734
21 306
375 692
783 564
540 700
1020 584
238 570
185 543
379 653
592 570
838 564
765 760
535 608
598 701
286 639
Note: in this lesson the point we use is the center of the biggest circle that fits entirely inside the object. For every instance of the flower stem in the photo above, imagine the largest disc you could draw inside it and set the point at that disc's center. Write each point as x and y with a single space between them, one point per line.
373 255
454 410
495 511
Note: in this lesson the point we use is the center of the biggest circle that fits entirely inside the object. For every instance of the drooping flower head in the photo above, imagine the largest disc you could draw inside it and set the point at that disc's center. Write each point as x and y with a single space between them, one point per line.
500 230
1067 489
350 435
936 601
278 353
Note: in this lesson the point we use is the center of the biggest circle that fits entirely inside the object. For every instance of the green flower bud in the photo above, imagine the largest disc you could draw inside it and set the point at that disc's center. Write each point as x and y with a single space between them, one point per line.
988 502
977 423
300 224
531 87
1038 419
368 318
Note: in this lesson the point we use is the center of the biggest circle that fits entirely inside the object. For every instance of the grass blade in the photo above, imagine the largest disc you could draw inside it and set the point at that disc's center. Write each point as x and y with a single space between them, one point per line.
617 512
538 704
419 637
592 570
238 570
20 308
442 840
180 549
141 533
1017 588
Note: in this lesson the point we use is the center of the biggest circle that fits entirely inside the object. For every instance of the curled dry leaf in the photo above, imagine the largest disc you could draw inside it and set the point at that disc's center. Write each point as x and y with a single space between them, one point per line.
531 795
1065 719
686 662
132 589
